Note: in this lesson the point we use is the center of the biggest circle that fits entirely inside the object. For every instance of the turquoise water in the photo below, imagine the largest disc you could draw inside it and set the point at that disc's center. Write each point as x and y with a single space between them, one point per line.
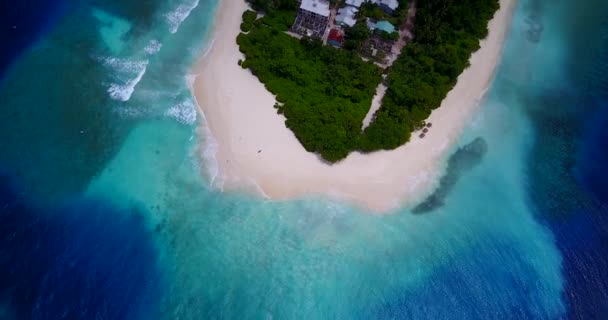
99 109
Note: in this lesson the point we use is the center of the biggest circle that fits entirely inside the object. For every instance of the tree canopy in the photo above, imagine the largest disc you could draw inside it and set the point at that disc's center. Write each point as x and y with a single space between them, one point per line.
447 32
269 6
325 92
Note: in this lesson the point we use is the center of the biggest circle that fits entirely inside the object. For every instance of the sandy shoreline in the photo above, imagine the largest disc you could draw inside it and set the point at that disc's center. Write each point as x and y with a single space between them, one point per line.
254 151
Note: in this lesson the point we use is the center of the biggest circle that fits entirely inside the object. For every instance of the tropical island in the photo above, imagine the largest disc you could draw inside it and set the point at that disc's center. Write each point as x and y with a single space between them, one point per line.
246 145
325 60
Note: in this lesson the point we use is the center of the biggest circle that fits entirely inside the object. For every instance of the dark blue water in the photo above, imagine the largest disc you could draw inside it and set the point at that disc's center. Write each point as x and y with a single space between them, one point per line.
570 161
64 255
582 234
568 187
79 260
66 130
476 285
22 23
592 156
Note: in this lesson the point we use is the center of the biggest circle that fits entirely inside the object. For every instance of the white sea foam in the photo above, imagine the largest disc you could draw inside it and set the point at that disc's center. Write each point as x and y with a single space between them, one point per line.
210 144
124 91
133 70
209 153
153 47
184 112
190 79
177 16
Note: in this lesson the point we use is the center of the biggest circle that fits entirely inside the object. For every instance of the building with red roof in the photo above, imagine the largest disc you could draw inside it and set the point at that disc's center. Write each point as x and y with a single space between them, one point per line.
335 38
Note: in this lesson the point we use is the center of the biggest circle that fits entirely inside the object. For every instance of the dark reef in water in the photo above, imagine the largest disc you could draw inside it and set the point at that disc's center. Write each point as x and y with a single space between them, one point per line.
534 21
83 260
463 160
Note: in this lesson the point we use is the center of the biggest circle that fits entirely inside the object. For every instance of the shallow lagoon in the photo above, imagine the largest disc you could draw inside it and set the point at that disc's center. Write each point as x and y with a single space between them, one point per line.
519 235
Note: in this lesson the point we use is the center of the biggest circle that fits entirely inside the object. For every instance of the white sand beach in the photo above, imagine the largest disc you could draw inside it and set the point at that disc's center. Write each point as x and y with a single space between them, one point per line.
256 152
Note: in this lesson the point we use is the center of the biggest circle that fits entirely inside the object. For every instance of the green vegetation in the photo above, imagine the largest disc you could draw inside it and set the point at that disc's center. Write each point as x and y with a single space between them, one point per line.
372 11
356 35
278 20
446 35
325 92
394 36
248 19
358 38
268 6
400 15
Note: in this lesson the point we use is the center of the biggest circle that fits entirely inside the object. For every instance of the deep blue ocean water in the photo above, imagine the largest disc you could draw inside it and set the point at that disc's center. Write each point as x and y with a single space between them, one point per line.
23 22
75 260
104 214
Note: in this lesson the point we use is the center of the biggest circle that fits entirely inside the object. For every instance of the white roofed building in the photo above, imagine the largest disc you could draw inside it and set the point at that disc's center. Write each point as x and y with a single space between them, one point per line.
313 18
354 3
347 16
320 7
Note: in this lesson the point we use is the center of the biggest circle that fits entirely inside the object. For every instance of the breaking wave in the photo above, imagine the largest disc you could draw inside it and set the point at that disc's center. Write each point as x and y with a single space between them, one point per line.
209 145
209 151
177 16
127 74
153 47
184 112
